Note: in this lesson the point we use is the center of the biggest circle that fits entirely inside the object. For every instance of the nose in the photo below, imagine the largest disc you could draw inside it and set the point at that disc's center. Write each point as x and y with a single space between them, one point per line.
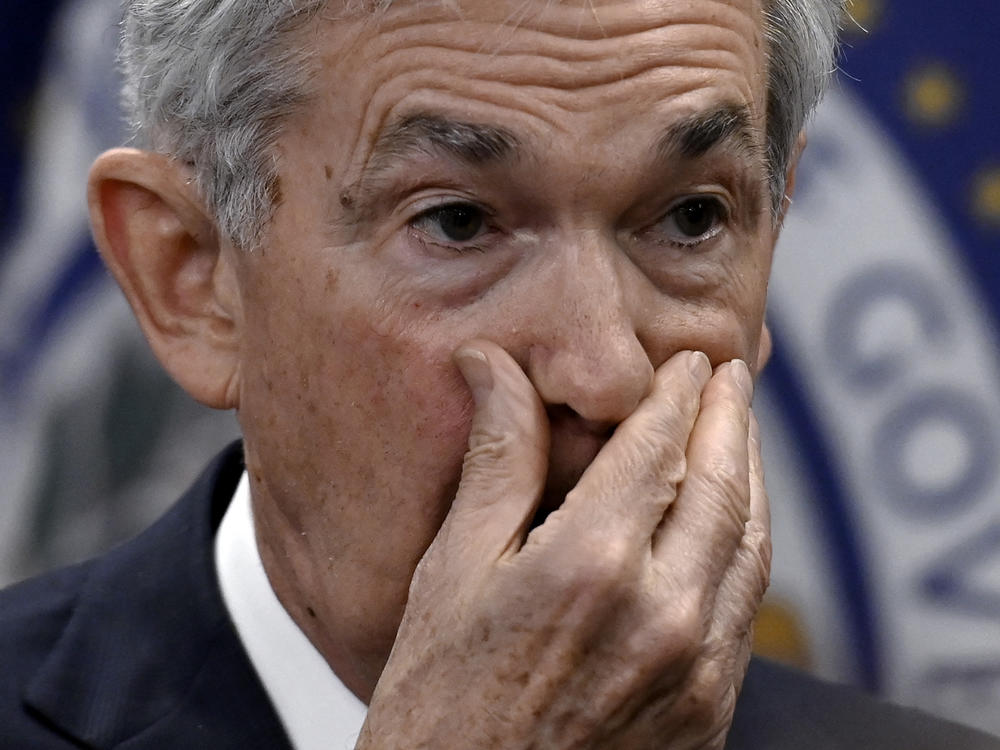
588 354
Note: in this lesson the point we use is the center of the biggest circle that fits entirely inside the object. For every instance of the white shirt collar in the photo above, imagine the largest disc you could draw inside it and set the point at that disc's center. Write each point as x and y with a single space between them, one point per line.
316 709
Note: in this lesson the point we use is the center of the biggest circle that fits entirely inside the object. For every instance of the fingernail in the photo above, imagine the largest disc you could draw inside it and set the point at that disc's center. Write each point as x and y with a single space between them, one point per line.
741 374
476 370
700 366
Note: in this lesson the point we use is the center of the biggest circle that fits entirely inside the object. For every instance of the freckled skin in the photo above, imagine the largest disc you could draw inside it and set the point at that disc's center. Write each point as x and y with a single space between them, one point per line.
355 418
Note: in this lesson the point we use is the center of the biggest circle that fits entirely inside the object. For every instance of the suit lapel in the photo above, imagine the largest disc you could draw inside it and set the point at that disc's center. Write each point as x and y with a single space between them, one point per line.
149 656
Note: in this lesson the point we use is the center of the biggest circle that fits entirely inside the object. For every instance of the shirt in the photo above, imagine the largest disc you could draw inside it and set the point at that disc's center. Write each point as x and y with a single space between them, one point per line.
316 709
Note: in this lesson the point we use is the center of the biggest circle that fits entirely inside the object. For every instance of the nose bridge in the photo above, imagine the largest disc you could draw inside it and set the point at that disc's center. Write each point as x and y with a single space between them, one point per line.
587 352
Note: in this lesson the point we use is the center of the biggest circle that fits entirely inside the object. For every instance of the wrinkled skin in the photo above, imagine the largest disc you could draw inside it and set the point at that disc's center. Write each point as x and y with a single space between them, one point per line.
414 379
606 627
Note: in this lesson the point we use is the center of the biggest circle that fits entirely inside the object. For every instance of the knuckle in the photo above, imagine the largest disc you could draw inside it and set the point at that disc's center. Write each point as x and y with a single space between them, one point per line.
672 464
753 560
488 447
670 424
731 477
728 484
758 541
681 632
489 460
594 569
656 452
711 698
699 706
603 562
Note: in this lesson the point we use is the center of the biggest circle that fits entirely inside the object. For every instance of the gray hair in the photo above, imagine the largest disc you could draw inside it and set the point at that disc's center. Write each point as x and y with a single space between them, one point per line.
801 50
210 83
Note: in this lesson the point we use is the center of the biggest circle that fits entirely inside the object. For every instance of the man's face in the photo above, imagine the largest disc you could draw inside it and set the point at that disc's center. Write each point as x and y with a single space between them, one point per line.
580 182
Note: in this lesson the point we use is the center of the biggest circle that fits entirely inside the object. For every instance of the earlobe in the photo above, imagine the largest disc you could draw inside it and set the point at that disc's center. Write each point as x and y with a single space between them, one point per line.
763 349
162 247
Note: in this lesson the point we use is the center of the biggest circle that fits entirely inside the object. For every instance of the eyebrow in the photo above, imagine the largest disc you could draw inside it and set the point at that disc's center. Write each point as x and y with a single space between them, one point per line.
479 144
699 134
423 134
473 143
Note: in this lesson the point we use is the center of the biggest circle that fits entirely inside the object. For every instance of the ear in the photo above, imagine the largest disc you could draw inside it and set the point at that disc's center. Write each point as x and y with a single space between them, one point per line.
790 173
162 247
763 348
766 344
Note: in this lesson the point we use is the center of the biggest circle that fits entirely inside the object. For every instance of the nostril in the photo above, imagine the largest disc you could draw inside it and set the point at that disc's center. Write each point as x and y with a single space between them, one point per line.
574 444
565 419
598 381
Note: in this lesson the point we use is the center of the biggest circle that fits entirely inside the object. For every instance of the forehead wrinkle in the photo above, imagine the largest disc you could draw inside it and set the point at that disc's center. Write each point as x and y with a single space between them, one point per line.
577 19
543 71
569 53
547 61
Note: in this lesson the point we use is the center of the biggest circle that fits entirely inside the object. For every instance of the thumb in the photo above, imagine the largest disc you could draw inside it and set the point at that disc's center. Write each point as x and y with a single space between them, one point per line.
504 471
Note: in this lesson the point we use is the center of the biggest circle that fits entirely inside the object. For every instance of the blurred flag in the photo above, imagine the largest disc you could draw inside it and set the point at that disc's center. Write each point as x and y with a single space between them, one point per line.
882 404
95 440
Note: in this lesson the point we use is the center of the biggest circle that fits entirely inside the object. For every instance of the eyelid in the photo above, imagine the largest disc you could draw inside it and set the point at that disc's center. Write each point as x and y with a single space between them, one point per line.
709 195
724 215
441 203
426 206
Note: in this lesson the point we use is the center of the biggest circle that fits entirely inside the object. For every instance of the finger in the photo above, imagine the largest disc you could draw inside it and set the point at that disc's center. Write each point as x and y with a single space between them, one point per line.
503 474
745 582
703 529
634 478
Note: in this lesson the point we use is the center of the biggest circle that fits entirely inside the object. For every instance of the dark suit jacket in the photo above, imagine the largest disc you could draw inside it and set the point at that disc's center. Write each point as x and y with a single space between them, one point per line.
135 650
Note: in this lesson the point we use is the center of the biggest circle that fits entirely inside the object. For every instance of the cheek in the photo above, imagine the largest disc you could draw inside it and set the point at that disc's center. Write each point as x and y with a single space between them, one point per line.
725 323
721 332
416 396
401 429
363 402
746 300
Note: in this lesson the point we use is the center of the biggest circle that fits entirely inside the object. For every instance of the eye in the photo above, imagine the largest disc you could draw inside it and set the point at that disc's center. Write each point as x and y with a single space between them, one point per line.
452 223
695 220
